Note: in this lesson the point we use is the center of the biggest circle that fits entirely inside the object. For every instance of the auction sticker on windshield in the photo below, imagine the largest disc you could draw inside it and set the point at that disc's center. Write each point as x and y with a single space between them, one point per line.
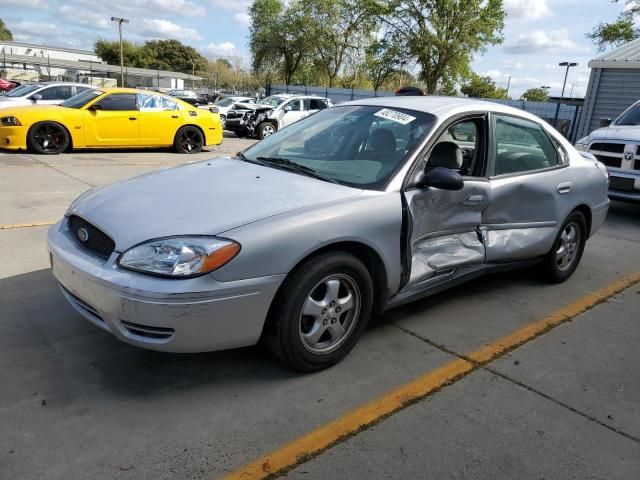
395 116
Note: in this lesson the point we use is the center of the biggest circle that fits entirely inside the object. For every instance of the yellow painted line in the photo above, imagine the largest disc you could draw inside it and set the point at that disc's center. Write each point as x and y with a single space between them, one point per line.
25 225
315 442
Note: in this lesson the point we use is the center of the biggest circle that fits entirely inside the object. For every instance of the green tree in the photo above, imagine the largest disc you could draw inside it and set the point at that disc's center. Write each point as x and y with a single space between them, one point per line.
383 58
535 95
5 33
109 52
482 87
341 28
443 35
614 34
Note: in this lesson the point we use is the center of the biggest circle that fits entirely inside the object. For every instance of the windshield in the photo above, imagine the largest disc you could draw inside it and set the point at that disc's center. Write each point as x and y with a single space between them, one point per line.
272 101
80 100
630 117
359 146
23 90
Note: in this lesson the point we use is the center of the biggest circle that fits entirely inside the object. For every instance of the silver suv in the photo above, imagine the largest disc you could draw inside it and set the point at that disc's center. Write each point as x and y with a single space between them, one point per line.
43 93
617 145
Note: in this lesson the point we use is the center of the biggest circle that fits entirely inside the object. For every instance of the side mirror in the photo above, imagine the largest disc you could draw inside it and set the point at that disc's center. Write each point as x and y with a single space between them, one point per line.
94 108
605 122
440 177
35 97
288 108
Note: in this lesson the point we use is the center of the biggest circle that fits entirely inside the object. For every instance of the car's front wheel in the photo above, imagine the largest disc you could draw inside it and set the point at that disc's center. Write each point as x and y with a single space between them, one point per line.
188 139
47 138
320 312
265 130
564 257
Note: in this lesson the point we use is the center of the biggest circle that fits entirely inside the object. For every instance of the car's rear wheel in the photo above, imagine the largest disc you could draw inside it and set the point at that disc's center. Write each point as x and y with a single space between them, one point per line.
265 130
566 253
223 121
47 138
188 139
320 312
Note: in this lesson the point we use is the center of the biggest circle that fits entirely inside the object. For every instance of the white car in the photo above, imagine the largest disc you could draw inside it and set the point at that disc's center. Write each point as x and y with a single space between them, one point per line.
43 93
273 113
225 104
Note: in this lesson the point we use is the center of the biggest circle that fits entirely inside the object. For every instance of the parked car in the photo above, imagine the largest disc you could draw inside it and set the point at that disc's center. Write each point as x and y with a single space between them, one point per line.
7 85
42 93
306 235
190 97
226 103
617 145
110 118
272 113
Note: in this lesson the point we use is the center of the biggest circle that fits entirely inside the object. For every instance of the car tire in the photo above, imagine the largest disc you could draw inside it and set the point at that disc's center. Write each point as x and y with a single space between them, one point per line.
47 138
320 312
223 121
240 133
266 129
188 139
566 253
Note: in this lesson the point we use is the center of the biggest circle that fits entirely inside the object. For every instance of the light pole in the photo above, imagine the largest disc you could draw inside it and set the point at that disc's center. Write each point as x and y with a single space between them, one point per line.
564 84
120 22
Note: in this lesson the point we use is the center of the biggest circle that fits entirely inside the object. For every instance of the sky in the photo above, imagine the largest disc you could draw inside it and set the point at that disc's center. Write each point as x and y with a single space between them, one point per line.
538 34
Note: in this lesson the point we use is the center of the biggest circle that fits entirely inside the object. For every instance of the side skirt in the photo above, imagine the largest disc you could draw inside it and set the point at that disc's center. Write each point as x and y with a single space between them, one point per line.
446 280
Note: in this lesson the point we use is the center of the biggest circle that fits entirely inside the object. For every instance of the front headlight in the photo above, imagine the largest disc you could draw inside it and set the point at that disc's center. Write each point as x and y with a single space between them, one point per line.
10 122
180 256
582 147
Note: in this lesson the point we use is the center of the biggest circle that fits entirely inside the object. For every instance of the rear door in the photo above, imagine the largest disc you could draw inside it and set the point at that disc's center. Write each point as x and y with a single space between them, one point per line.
113 122
528 182
313 105
444 224
160 119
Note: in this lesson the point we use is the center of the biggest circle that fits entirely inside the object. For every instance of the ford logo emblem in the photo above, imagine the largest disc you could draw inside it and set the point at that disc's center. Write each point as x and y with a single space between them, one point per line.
628 156
83 235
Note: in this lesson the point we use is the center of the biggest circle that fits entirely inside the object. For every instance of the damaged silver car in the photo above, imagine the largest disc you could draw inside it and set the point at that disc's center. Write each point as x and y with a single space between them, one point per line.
298 241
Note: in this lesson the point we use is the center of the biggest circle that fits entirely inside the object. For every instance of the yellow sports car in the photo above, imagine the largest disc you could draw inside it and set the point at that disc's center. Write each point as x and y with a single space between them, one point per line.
110 118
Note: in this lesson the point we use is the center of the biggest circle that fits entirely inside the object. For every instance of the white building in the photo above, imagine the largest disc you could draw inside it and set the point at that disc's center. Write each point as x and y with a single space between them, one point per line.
30 62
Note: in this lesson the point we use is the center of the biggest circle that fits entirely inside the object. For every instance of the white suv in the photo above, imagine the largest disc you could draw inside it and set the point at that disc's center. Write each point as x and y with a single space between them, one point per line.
618 147
44 93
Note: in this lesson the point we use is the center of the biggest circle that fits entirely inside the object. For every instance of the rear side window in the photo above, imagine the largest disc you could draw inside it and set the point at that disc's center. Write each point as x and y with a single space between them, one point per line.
522 146
61 92
314 104
118 102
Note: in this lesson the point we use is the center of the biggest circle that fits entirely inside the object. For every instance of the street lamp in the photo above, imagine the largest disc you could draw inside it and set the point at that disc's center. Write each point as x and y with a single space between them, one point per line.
564 84
120 22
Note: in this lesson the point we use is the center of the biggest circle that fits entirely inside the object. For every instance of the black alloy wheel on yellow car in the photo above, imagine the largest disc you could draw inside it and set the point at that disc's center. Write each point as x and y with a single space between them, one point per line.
47 138
189 139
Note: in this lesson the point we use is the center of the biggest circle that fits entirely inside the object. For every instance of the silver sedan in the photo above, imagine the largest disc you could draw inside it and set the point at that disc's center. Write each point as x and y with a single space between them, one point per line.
302 238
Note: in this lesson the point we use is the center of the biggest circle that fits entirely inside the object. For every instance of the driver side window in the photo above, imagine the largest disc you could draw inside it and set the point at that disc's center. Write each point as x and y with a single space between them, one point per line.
459 148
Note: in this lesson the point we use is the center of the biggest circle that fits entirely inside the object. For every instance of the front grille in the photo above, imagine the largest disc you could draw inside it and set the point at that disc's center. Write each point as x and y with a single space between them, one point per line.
636 166
608 147
96 240
620 183
610 161
147 331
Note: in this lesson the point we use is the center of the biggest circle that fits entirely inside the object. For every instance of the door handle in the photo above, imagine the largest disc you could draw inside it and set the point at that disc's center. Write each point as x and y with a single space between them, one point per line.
132 118
564 187
473 201
175 116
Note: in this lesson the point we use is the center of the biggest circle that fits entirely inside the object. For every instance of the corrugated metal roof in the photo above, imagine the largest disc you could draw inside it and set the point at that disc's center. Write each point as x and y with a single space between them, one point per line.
45 47
626 56
96 67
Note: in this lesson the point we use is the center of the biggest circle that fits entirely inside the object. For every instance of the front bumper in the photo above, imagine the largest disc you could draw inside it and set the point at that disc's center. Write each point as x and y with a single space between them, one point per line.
624 184
174 315
13 138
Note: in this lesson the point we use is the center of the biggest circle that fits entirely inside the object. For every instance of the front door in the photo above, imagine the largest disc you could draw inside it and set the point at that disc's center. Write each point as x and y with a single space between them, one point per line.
113 121
160 119
528 180
445 225
291 112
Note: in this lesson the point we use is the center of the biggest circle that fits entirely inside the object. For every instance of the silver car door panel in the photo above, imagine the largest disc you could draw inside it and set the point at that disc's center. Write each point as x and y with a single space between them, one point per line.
441 254
508 242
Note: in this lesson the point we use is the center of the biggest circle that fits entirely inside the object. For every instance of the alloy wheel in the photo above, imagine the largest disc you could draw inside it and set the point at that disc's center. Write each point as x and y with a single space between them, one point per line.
567 250
49 138
329 313
191 140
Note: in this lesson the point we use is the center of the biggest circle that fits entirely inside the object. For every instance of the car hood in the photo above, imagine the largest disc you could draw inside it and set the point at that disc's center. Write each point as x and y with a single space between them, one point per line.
201 198
10 101
616 133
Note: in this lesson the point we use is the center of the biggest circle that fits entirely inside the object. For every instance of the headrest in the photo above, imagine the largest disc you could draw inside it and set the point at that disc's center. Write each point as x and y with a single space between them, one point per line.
447 155
382 140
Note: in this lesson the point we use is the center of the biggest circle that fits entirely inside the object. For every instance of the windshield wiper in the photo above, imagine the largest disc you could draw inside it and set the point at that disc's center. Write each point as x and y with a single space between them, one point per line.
287 164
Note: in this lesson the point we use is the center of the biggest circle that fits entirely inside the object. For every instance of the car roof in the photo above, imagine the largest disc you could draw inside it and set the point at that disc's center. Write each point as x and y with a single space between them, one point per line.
442 106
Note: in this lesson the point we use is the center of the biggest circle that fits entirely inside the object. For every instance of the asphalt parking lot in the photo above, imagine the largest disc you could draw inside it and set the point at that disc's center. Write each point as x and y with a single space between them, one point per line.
503 377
